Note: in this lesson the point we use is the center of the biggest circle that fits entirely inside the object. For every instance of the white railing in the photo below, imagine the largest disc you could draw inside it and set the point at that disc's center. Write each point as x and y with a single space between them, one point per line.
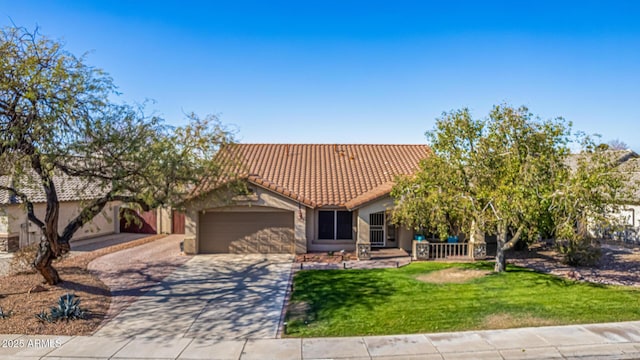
441 251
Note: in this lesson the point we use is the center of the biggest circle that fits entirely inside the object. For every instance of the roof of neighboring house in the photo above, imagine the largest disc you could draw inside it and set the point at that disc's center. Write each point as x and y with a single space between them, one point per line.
68 188
326 175
626 161
620 156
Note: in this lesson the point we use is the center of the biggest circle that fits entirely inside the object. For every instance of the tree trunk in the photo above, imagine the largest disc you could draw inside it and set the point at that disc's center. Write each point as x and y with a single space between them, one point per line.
43 261
501 261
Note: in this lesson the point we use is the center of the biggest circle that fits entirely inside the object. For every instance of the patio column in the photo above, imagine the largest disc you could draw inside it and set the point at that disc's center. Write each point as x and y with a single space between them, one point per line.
420 250
363 250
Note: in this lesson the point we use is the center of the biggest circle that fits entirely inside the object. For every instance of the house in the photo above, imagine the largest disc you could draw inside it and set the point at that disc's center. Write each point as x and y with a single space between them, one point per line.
17 232
304 198
74 194
627 215
630 213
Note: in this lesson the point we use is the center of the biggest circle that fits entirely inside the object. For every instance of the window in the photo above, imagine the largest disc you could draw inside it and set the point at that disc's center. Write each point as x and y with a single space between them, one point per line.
344 228
391 231
335 225
326 225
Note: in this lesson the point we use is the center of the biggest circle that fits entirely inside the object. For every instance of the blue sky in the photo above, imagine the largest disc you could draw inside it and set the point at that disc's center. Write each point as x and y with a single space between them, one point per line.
358 72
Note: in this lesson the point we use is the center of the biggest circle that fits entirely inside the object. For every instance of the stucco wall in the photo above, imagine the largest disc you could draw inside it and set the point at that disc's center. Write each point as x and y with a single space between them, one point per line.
629 215
4 221
379 205
102 224
164 220
405 238
260 200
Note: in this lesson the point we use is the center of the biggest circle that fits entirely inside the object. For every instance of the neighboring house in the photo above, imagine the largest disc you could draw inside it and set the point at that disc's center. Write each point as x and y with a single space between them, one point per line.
303 198
16 231
628 215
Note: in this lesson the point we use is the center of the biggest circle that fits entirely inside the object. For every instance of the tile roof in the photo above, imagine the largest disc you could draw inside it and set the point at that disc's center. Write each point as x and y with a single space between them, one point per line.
627 161
69 188
619 156
325 175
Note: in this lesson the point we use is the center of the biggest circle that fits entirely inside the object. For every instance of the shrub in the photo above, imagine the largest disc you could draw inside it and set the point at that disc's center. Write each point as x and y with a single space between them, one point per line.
580 252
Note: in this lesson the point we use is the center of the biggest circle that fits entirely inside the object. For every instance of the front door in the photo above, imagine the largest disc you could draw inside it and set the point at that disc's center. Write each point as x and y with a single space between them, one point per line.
376 229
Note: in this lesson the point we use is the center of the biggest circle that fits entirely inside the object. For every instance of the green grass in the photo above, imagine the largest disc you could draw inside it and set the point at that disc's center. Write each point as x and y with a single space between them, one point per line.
393 301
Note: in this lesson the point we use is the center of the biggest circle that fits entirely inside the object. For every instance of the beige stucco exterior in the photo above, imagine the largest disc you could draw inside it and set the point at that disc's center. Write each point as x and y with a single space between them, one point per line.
260 200
404 236
4 220
629 215
164 220
626 217
305 220
13 221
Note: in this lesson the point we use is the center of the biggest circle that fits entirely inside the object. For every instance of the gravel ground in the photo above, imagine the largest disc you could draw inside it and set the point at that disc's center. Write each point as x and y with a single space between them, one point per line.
619 265
5 261
132 272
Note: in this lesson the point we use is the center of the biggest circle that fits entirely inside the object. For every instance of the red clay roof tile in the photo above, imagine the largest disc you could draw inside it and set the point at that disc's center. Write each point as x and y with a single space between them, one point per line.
325 175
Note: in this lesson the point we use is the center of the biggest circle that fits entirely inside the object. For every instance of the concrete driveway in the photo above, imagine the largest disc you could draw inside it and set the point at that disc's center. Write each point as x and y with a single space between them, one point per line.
211 296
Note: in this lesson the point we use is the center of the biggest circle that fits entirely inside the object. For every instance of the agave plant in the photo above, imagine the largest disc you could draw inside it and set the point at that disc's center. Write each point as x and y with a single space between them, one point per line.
68 308
43 316
5 314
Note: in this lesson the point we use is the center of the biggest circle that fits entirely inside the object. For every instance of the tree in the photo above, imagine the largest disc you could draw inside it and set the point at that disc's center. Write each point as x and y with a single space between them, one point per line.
587 197
57 120
494 175
617 144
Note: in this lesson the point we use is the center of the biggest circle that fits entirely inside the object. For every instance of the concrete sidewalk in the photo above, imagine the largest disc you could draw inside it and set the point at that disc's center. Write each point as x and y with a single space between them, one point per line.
599 341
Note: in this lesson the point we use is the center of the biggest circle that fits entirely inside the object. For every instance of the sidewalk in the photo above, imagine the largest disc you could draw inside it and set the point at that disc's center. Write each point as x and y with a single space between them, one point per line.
598 341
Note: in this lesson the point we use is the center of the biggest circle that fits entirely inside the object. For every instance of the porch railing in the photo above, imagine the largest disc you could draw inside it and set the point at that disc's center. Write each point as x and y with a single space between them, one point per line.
441 251
424 250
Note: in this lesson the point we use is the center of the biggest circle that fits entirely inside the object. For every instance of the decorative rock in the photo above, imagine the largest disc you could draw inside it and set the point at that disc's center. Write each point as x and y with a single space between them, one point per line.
618 265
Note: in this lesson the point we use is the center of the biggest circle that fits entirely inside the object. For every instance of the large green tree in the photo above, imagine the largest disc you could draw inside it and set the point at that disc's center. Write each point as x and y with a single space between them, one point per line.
588 198
58 121
505 175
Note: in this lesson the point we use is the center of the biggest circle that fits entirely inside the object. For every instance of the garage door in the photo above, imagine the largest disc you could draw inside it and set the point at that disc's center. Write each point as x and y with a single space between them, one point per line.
246 232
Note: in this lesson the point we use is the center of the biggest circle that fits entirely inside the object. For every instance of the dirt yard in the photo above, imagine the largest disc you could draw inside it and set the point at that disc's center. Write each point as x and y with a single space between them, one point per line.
619 265
23 305
452 276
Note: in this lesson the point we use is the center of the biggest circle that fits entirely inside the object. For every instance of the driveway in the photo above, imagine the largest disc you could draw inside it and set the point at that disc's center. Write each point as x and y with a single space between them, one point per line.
95 243
211 296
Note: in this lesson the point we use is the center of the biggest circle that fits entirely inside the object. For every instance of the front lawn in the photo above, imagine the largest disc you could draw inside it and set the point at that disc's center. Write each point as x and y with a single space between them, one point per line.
417 298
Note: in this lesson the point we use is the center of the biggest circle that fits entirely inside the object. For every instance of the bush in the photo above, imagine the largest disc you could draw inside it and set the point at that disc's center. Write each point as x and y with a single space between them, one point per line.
580 252
22 260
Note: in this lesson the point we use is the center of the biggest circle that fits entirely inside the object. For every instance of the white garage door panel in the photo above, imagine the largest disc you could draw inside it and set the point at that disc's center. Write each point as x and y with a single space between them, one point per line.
247 232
